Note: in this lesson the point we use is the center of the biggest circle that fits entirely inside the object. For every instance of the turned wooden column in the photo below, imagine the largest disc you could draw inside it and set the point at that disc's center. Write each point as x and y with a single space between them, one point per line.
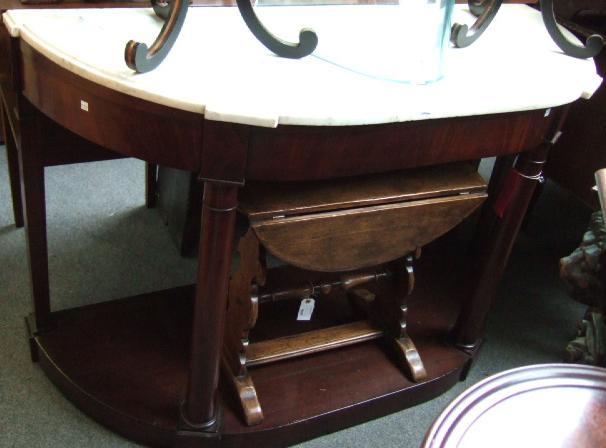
31 163
216 239
498 229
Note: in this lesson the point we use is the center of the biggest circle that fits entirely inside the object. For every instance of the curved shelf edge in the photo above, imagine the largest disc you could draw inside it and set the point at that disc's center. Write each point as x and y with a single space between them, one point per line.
461 35
93 371
593 45
142 59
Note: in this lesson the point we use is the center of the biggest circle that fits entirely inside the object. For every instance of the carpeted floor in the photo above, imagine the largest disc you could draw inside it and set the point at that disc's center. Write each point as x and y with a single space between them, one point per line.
104 244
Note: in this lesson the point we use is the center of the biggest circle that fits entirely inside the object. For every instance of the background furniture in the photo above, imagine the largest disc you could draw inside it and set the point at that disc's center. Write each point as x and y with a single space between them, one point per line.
230 145
67 146
584 270
541 405
351 234
580 151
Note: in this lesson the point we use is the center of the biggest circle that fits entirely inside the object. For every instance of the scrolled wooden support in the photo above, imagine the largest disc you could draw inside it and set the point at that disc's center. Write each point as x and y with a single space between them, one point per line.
592 47
143 59
393 309
308 40
242 313
463 36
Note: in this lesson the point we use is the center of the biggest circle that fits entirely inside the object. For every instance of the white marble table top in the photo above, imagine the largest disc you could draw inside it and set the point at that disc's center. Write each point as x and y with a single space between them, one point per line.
217 68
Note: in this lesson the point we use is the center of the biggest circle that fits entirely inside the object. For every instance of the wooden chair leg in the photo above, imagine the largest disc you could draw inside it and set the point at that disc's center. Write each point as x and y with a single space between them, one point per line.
394 310
242 313
151 186
12 157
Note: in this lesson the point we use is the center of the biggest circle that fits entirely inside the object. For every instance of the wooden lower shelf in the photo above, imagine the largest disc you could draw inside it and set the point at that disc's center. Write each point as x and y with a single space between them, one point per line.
125 363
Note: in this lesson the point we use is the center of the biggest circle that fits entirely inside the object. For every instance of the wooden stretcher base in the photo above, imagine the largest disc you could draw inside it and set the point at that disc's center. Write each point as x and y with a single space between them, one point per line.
125 363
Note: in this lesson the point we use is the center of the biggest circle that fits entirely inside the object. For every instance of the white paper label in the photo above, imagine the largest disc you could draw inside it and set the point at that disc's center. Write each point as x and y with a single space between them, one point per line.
84 105
306 309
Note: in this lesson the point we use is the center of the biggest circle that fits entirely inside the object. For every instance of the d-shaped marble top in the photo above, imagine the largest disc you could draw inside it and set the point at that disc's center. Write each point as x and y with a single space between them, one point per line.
217 68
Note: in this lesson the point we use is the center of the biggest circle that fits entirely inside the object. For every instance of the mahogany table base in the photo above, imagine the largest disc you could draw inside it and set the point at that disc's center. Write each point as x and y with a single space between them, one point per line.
133 377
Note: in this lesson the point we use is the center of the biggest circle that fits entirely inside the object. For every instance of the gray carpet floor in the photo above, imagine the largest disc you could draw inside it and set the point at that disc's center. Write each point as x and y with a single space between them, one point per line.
104 244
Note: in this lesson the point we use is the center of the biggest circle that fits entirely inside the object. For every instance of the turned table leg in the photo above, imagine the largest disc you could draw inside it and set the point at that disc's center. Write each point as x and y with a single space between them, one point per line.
199 412
503 218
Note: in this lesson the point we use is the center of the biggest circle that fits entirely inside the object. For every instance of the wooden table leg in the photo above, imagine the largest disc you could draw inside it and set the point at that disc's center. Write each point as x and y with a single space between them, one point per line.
505 217
12 157
2 125
199 413
151 184
32 182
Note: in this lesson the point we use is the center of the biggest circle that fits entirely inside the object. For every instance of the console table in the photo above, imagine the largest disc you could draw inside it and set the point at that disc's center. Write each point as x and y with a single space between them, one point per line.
222 106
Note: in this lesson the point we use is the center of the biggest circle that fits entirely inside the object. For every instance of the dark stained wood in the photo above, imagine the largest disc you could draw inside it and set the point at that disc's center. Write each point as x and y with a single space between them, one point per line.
339 241
151 191
265 200
580 150
292 152
506 215
2 139
361 381
180 204
348 281
285 153
61 145
516 408
138 128
218 163
325 232
31 164
312 342
242 314
9 77
487 221
357 238
394 313
218 219
133 378
12 158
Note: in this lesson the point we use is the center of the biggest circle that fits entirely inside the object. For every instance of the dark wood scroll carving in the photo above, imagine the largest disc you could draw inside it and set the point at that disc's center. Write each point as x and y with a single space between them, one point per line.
143 59
592 47
394 310
242 313
485 10
308 40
